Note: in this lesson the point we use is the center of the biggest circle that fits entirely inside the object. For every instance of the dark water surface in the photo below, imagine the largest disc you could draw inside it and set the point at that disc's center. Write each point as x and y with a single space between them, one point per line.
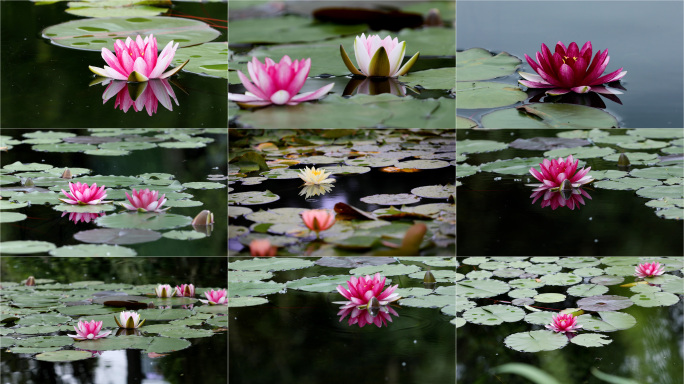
45 85
646 38
497 217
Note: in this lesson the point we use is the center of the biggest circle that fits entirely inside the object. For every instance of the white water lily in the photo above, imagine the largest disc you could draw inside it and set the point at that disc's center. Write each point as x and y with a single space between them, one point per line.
129 320
378 57
315 176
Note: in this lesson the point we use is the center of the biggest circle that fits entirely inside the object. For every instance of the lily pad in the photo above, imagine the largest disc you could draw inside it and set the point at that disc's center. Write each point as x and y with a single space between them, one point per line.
287 29
422 164
184 235
586 290
167 344
25 247
277 264
658 192
12 217
608 322
549 298
591 340
480 64
494 314
391 199
535 341
479 146
252 198
137 220
63 356
476 95
544 115
604 303
89 250
439 78
246 301
516 166
319 283
480 288
655 299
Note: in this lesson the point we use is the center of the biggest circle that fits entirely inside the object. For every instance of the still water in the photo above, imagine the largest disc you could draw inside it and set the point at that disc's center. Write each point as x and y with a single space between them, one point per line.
634 32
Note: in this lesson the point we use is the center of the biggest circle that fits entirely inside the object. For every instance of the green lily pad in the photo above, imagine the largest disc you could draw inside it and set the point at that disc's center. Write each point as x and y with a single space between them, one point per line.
96 208
604 303
479 146
609 321
164 314
439 78
167 344
277 264
494 314
481 288
658 192
671 213
277 216
114 343
549 298
464 123
516 166
422 164
385 270
37 198
204 185
246 301
591 340
535 341
110 8
464 170
658 172
12 217
626 183
252 198
63 356
319 283
17 166
153 221
586 290
254 288
209 59
391 199
25 247
648 144
655 299
429 301
91 250
95 33
184 235
475 95
45 341
480 64
287 29
580 152
544 115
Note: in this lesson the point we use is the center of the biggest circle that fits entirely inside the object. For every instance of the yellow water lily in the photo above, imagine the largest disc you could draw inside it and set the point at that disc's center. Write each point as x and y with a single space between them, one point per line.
315 176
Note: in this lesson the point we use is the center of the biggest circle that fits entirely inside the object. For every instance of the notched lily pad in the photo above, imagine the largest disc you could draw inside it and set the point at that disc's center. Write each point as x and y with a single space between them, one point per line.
535 341
252 198
391 199
604 303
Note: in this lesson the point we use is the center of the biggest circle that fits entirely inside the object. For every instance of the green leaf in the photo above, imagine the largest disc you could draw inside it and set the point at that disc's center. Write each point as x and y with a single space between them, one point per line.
480 64
545 115
494 314
63 356
476 95
529 372
535 341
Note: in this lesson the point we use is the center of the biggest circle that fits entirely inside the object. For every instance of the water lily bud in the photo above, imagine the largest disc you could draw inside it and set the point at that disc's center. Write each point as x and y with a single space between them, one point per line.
28 182
566 185
623 162
31 281
373 306
429 280
203 218
66 174
433 18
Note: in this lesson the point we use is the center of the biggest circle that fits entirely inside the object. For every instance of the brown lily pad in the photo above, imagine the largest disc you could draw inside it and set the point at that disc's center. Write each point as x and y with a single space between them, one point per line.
347 212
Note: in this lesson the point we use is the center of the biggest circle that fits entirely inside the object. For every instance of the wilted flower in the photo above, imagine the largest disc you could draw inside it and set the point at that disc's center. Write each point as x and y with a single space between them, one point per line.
164 290
564 322
315 176
148 95
129 320
89 330
262 247
81 194
570 70
554 172
378 57
215 297
318 219
145 201
363 289
186 290
276 83
137 60
649 270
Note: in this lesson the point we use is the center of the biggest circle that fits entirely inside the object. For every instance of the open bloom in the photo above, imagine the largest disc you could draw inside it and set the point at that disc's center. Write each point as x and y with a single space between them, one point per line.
137 60
89 330
363 289
315 176
564 322
378 57
570 70
145 201
215 297
81 194
555 172
318 219
129 320
649 270
262 247
164 290
276 83
187 290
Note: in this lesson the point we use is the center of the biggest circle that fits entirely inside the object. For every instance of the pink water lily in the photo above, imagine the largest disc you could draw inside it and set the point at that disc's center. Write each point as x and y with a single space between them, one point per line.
378 57
363 289
215 297
262 247
77 217
573 199
145 200
149 95
649 270
362 317
564 322
318 219
137 60
129 320
276 83
89 330
555 172
185 290
570 70
81 194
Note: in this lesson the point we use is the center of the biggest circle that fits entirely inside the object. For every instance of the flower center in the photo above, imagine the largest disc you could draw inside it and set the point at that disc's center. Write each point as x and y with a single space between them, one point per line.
574 59
91 335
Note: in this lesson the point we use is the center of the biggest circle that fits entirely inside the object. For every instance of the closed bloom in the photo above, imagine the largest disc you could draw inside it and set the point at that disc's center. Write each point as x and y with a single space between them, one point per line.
378 57
649 270
137 60
164 290
262 247
185 290
318 219
276 83
363 289
89 330
564 322
129 320
215 297
555 172
81 194
570 70
145 201
315 176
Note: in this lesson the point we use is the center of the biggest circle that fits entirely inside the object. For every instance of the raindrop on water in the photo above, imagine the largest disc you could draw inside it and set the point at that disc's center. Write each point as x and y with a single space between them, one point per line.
591 218
595 240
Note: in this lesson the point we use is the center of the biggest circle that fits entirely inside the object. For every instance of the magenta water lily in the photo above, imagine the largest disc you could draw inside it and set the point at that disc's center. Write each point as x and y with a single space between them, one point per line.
138 60
89 330
378 57
215 297
185 290
564 322
649 270
570 69
555 172
363 289
81 194
145 200
276 83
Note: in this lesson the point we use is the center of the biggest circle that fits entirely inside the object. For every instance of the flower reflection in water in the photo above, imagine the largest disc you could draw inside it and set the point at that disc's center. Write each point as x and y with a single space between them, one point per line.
365 316
147 95
374 86
564 198
77 217
315 190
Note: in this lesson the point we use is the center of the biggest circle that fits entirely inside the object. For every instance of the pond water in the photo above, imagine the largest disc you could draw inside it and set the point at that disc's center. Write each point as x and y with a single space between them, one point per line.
144 153
496 215
46 85
634 33
194 363
643 341
307 341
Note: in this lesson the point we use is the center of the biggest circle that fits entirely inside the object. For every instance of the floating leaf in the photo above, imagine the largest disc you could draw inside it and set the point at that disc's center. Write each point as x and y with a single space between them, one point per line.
535 341
604 303
254 288
25 247
277 264
153 221
287 29
184 235
63 356
494 314
476 95
391 199
11 217
586 290
422 164
608 322
516 166
549 298
481 288
167 344
252 198
89 250
591 340
319 283
655 299
480 64
545 115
